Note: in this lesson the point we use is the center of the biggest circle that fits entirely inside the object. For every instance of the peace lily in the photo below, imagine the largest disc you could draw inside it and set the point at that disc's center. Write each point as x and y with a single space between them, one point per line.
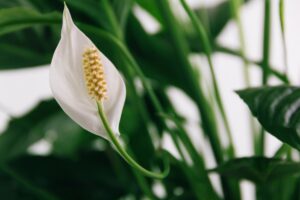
89 88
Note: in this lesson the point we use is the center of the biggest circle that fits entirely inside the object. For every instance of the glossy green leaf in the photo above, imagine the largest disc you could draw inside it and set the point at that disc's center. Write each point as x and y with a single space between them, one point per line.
260 170
277 110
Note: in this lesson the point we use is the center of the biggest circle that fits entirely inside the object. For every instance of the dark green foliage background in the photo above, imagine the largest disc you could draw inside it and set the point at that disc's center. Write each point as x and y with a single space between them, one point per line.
76 168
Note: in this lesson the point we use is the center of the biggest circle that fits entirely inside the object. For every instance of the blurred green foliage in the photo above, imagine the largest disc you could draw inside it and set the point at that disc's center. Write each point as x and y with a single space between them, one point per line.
81 165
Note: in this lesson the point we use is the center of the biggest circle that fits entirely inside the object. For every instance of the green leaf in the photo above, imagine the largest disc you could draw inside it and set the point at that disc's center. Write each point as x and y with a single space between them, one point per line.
260 170
28 47
26 52
46 121
155 55
277 110
122 9
67 137
14 19
151 7
25 130
91 176
216 18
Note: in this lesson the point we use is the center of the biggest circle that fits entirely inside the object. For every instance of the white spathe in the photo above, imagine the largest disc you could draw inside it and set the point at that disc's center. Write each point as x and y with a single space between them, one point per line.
68 84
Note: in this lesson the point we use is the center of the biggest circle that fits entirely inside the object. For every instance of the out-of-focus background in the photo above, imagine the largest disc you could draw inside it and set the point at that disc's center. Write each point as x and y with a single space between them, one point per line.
22 89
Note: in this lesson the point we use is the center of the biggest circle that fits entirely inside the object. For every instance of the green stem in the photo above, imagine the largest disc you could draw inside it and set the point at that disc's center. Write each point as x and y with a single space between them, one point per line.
185 165
199 166
282 150
282 77
158 107
191 178
112 19
154 100
151 93
207 115
142 181
123 175
236 14
266 42
124 52
282 28
123 152
133 95
204 39
144 185
265 61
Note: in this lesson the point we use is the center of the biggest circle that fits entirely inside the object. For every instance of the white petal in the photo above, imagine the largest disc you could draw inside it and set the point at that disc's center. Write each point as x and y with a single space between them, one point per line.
68 84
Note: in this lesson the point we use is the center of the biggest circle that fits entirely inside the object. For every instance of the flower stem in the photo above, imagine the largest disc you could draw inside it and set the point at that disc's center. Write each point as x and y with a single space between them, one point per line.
266 41
282 28
204 39
123 152
265 62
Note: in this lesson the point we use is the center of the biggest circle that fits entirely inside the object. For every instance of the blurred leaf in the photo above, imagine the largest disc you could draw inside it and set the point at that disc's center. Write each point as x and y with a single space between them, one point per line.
93 10
134 130
12 180
176 182
155 55
122 9
215 18
277 109
47 121
259 169
24 131
296 193
282 189
28 47
67 138
17 45
26 52
151 7
14 19
91 176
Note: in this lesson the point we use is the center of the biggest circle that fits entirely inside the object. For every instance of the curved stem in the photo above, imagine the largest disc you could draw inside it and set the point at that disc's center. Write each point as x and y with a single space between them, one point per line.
123 152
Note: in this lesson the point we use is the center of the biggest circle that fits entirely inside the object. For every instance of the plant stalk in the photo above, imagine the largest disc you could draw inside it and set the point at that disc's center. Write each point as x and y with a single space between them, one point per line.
204 40
265 61
123 152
